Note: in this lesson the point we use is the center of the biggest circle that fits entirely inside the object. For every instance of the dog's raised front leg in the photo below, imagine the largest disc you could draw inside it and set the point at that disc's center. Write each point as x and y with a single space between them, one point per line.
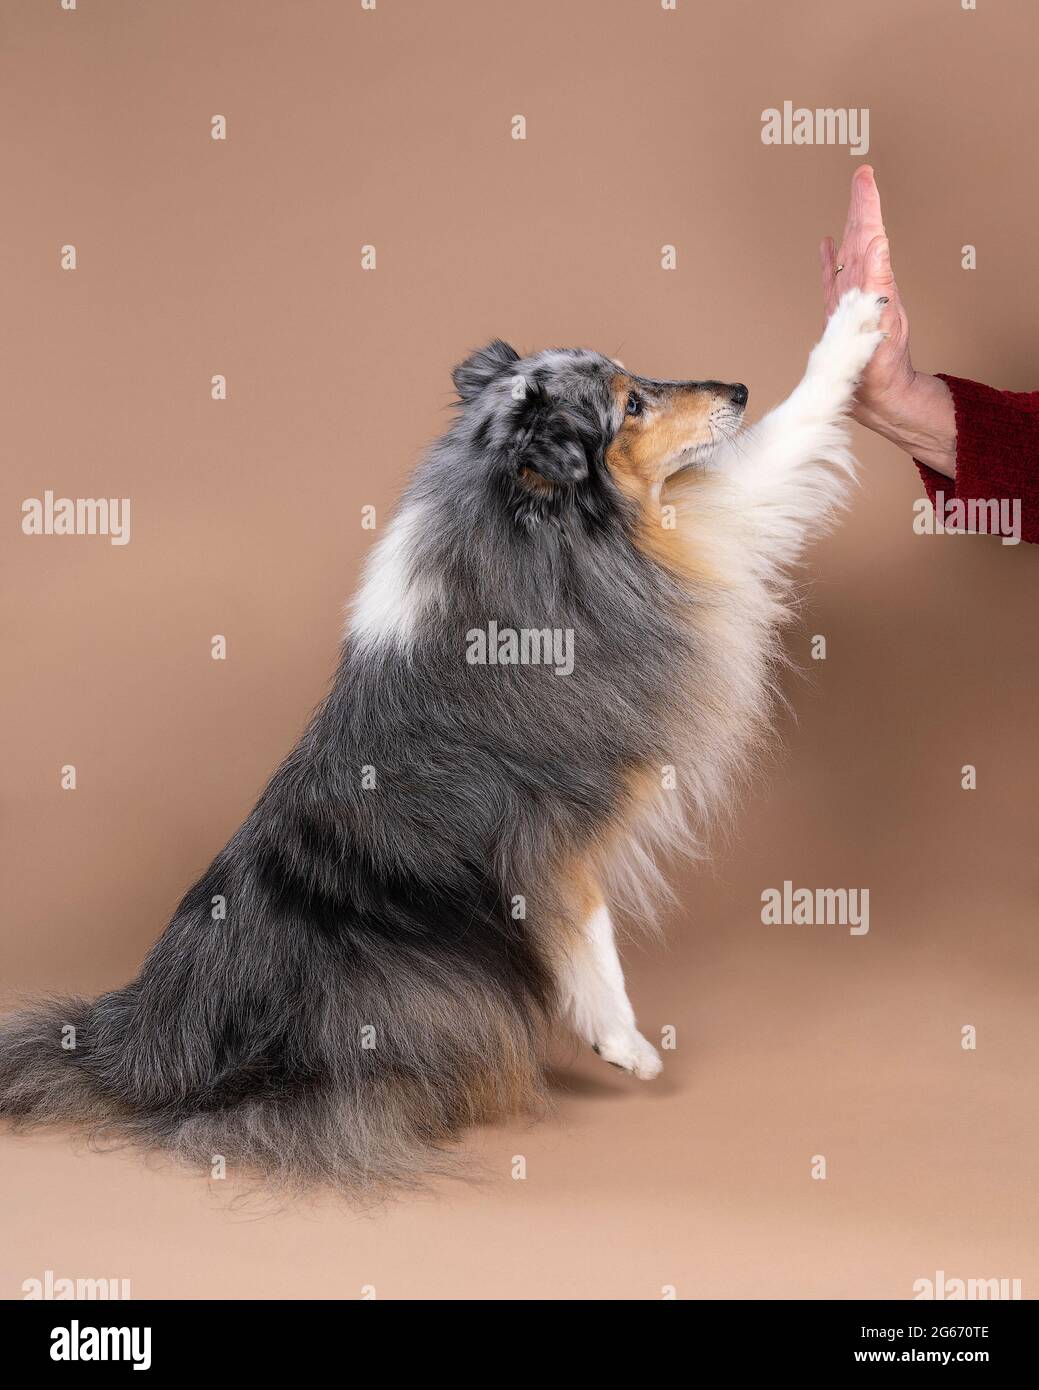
592 986
835 365
794 465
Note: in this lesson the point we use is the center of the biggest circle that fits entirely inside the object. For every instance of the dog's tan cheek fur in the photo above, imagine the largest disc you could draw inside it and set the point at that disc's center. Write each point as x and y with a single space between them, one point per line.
637 460
644 446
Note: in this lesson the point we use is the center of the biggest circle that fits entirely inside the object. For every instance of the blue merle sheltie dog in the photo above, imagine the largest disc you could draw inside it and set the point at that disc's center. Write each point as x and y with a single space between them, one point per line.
559 664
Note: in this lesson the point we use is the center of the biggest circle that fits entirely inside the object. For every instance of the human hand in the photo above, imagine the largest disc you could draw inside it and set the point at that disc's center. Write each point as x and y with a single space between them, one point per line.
912 409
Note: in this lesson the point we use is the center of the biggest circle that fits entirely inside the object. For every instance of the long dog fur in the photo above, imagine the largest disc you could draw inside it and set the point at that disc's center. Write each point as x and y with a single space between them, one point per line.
396 908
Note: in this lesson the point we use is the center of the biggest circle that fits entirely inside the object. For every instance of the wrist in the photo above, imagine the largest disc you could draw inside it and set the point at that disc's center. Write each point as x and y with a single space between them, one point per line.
920 420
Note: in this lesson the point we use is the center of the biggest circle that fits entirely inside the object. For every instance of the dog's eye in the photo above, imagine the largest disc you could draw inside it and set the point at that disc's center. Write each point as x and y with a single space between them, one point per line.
634 406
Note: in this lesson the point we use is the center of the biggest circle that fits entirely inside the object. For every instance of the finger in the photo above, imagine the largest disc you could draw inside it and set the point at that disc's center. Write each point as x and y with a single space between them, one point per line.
879 274
865 197
865 219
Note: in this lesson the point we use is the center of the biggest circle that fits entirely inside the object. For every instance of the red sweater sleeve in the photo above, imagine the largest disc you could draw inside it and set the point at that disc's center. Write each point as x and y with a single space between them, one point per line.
997 451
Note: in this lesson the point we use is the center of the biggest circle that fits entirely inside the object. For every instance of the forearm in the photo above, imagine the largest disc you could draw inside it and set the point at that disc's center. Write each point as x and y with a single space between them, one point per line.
997 452
921 422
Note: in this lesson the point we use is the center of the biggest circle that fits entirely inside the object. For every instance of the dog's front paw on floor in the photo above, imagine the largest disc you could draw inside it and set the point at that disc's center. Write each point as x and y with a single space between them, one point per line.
632 1053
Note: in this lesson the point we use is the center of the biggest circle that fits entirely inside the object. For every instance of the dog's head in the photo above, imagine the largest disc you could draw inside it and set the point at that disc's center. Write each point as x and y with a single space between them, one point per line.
567 420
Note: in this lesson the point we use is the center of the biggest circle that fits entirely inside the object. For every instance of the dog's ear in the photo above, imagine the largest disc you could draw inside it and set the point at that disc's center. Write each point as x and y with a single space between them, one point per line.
551 440
484 366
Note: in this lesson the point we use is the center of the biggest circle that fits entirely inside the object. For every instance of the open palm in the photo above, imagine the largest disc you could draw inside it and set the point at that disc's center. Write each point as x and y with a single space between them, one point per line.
910 408
866 257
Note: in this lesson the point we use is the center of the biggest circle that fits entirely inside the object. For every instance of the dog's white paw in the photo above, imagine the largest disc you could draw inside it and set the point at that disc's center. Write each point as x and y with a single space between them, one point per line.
850 339
631 1052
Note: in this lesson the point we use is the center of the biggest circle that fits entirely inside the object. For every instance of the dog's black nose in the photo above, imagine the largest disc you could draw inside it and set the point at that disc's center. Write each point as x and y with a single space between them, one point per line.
739 394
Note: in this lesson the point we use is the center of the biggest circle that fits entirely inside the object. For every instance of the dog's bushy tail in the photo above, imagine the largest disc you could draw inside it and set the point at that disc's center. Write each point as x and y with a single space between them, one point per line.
339 1023
317 1111
40 1078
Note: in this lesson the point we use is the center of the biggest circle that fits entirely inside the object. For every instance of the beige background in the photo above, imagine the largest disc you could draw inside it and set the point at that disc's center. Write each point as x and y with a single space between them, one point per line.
242 258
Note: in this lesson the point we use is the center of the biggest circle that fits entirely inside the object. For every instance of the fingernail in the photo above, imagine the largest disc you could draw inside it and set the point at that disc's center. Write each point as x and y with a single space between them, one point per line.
881 253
